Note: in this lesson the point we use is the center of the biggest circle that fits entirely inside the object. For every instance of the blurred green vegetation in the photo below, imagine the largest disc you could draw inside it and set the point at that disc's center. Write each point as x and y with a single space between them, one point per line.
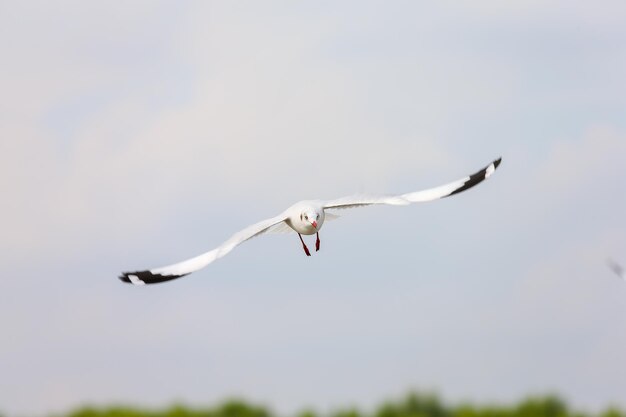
412 405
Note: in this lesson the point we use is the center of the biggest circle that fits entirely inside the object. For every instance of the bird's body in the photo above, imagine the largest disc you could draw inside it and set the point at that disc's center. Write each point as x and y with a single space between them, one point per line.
305 218
300 216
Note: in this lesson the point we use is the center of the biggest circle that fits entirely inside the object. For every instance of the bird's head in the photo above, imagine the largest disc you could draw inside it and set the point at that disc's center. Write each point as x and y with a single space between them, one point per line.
312 217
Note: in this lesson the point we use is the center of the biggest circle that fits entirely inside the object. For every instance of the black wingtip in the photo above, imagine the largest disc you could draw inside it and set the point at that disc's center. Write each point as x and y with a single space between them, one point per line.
124 278
477 178
146 277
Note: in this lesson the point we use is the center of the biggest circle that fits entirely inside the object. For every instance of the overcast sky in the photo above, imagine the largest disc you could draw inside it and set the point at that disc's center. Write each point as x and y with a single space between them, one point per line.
138 134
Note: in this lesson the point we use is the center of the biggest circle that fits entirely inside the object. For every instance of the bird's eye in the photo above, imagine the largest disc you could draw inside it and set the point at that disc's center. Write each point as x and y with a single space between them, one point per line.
317 217
306 217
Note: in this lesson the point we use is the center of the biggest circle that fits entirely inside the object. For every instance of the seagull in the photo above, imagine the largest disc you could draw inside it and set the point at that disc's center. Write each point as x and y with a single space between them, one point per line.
305 218
617 268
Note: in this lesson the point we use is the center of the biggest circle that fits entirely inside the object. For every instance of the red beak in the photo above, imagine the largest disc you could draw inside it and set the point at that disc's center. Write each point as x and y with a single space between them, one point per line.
314 224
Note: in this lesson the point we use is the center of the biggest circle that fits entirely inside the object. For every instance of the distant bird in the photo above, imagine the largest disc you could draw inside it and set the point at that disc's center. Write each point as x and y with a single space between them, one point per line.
306 218
617 268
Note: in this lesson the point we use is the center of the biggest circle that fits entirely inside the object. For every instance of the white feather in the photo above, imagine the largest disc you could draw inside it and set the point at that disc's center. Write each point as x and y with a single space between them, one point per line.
199 262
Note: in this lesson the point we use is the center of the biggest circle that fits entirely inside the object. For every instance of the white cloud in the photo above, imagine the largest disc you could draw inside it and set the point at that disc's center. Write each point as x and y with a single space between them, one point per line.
285 130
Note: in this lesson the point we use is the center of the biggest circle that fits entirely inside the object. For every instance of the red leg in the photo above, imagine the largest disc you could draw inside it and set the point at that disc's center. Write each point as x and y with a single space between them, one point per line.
306 250
317 243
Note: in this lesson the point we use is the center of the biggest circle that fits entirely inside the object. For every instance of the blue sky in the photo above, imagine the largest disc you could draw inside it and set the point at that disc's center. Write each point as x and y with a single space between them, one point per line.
138 134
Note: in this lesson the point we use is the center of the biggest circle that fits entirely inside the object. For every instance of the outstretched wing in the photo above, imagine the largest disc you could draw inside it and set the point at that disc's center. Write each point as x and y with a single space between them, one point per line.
430 194
166 273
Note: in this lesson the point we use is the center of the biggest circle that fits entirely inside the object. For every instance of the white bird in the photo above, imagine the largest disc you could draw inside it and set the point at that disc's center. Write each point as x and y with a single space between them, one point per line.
306 218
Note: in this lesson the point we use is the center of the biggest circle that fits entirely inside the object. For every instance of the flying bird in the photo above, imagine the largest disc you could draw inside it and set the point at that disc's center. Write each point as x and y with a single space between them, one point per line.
305 218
